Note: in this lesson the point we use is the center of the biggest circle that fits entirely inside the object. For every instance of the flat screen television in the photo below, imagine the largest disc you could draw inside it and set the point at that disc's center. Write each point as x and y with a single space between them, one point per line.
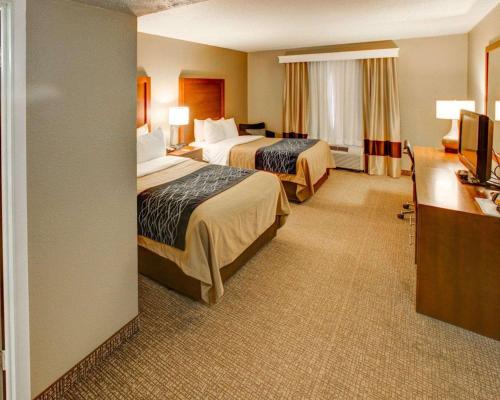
475 144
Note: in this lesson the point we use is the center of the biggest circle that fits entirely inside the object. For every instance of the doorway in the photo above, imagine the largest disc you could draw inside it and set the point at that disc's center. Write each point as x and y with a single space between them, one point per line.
14 294
2 115
5 133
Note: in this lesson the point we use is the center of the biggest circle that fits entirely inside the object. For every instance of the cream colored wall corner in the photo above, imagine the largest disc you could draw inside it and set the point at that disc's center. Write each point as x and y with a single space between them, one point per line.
483 34
165 60
265 89
430 69
81 166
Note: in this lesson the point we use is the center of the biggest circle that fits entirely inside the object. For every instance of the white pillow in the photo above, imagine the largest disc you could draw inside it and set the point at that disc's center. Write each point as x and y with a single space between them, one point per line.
150 146
199 128
230 129
213 131
143 130
199 125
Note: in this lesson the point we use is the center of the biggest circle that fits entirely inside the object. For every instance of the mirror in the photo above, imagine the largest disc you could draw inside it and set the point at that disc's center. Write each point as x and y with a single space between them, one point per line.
493 88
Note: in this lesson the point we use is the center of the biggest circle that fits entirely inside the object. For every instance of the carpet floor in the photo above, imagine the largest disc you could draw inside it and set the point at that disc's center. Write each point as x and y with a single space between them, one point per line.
325 311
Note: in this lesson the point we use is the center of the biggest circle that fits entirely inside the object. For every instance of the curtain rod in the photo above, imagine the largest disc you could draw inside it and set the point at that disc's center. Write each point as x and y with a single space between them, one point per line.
341 55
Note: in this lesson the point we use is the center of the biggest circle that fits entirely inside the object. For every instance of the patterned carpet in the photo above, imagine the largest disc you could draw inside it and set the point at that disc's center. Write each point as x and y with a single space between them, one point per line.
325 311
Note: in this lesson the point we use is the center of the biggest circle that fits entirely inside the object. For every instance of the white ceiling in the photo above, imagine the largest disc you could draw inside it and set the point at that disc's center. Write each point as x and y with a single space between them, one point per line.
138 7
253 25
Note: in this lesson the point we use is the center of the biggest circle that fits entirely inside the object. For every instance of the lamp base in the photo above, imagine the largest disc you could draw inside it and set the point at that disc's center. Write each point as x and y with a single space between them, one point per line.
450 140
174 133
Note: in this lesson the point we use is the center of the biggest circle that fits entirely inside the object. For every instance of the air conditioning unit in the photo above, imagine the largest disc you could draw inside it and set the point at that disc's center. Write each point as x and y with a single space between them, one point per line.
349 157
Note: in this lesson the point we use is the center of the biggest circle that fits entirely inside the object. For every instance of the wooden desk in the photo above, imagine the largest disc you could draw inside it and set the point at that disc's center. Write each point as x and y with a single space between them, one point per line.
458 247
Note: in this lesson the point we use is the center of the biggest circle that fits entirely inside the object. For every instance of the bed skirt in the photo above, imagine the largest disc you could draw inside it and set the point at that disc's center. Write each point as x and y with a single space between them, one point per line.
168 274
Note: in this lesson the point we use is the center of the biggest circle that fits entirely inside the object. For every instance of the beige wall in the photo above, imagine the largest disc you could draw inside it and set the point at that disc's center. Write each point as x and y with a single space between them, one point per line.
429 69
265 89
485 33
164 60
81 181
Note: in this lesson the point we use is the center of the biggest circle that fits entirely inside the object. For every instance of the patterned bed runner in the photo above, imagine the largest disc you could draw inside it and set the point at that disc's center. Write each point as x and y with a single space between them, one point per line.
163 211
282 156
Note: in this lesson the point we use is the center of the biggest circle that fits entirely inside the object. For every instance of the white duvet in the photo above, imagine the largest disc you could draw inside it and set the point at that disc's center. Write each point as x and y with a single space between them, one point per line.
218 153
158 164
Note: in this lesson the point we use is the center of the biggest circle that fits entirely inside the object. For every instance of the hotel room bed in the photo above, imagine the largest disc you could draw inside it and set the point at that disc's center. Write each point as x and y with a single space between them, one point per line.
205 99
302 165
222 233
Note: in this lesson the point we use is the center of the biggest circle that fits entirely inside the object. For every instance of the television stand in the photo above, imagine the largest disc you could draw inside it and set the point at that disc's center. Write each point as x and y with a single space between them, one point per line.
458 273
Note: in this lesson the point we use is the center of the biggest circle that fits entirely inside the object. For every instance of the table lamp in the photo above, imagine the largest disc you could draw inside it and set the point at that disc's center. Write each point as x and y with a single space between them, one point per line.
450 109
177 116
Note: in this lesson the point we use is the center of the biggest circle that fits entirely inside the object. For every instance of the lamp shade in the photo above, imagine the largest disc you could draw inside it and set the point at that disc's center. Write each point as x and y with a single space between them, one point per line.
178 116
450 109
497 110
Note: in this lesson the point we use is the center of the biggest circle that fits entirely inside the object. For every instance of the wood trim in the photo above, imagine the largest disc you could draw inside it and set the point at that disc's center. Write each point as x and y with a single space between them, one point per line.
82 369
493 46
489 49
143 102
486 80
205 98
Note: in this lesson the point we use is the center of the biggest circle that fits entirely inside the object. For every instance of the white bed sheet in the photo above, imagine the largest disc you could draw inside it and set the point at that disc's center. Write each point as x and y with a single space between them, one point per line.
158 164
218 153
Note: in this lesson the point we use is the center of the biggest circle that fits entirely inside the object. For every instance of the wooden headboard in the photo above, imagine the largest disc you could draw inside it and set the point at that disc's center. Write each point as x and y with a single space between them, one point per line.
205 99
143 102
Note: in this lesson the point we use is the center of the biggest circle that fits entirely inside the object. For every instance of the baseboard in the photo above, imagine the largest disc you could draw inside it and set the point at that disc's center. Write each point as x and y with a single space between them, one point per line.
405 172
79 371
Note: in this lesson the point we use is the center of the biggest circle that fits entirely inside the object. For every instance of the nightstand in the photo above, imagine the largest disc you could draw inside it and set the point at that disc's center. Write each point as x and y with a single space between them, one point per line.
195 153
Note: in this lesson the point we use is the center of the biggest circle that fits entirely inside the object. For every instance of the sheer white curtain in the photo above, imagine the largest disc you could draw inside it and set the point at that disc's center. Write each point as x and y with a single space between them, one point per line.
321 122
336 102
